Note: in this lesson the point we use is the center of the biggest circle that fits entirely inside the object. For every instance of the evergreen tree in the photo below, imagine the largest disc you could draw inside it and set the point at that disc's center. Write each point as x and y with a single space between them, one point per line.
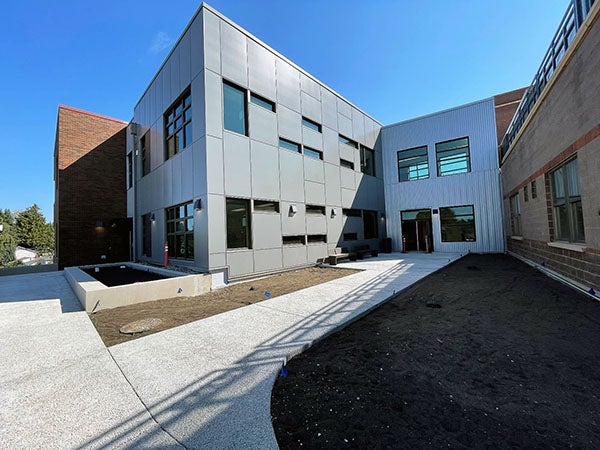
8 237
33 231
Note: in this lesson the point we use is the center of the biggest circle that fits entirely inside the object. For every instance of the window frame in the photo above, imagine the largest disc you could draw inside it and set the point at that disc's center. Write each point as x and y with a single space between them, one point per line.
370 215
418 164
167 121
129 170
443 236
346 164
572 204
147 235
145 153
186 233
244 92
467 156
311 124
264 203
263 102
312 152
298 147
363 165
515 215
248 226
346 140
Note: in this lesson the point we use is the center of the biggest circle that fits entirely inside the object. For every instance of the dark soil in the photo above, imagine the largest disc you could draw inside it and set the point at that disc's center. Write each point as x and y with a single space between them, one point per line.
117 276
509 359
181 310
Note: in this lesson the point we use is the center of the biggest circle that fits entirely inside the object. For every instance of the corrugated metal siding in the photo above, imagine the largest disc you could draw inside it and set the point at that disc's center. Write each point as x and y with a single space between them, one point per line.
480 187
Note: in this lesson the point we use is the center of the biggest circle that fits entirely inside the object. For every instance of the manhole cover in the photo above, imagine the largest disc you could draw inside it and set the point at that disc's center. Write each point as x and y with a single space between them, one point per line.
139 326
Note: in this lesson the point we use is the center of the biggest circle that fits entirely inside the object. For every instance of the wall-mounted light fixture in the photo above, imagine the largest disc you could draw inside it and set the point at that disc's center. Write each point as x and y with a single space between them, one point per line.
152 217
333 213
382 217
99 224
293 210
198 205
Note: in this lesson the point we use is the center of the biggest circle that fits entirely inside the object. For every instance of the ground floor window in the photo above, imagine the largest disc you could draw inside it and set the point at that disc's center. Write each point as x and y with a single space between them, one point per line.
147 235
180 231
238 223
515 215
458 223
566 203
370 224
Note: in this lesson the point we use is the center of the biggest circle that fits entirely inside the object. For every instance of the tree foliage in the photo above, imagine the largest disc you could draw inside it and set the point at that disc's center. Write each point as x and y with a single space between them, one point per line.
8 237
32 230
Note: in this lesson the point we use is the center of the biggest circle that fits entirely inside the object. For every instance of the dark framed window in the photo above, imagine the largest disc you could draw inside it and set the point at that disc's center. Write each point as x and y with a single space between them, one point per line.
289 145
351 212
515 215
526 193
313 153
315 209
238 223
566 203
317 238
178 125
458 223
235 108
346 164
180 231
350 236
344 140
266 206
370 224
293 240
413 164
145 153
453 157
311 124
129 170
367 160
147 235
261 101
533 190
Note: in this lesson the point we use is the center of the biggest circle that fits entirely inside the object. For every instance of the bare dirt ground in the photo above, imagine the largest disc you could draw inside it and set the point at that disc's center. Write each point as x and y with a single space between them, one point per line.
180 310
510 359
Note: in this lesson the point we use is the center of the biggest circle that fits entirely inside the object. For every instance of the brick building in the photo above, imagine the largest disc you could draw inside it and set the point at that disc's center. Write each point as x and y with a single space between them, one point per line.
90 207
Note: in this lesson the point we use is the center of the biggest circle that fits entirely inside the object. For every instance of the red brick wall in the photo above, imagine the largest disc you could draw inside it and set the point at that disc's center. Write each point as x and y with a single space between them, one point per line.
505 106
90 182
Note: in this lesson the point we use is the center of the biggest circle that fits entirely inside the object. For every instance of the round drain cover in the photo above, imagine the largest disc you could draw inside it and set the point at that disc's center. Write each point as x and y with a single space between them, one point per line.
139 326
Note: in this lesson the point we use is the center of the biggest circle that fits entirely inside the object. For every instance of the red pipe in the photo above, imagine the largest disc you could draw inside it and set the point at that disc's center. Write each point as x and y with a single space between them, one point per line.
166 253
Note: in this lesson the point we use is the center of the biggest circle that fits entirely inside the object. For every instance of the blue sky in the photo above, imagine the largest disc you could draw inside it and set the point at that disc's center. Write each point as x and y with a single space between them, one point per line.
393 59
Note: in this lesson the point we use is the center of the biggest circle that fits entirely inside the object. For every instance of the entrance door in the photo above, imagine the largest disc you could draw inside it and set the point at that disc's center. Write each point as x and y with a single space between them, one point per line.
417 230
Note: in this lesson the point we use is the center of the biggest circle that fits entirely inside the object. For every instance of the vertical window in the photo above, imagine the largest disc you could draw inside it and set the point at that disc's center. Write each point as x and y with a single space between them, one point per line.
238 223
130 170
526 193
145 153
370 224
367 160
178 125
515 215
533 189
412 164
180 231
147 235
235 108
566 203
453 157
458 224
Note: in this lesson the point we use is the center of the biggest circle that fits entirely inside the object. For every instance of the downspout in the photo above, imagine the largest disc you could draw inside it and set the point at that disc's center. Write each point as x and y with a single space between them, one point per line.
133 130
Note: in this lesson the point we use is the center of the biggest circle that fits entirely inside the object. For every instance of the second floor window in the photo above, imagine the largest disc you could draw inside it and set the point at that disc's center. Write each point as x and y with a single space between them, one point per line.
453 157
412 164
178 125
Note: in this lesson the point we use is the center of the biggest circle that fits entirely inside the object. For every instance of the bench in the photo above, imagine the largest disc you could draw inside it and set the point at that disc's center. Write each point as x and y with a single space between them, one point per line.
362 250
339 253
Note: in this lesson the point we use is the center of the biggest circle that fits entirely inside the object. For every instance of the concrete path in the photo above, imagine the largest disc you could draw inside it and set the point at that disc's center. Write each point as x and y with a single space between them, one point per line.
208 383
59 386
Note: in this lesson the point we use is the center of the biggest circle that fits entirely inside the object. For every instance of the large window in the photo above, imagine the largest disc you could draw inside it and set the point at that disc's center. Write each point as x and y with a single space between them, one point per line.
180 231
566 203
145 153
178 125
458 224
367 160
370 224
453 157
129 170
235 108
147 235
412 164
238 223
515 215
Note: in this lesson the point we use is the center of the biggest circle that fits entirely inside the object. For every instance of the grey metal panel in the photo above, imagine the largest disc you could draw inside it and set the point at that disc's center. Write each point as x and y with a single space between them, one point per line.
212 41
316 252
310 86
214 101
157 87
292 224
316 224
347 178
289 123
345 125
344 108
198 112
175 175
311 107
266 260
217 260
215 178
333 194
265 170
291 176
166 85
185 54
261 71
314 170
294 255
358 126
353 225
215 211
201 235
196 46
158 235
156 146
263 124
240 262
334 226
312 138
346 152
266 230
329 108
234 55
348 197
199 169
236 159
187 174
288 85
174 66
167 182
330 146
314 193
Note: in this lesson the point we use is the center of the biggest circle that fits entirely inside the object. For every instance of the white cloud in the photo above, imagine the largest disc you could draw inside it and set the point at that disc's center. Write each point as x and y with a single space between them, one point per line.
160 42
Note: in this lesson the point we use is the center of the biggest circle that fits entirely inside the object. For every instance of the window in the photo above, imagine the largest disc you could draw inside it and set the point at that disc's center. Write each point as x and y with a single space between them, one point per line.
367 160
178 125
515 215
458 224
266 206
566 203
453 157
238 223
145 151
315 209
525 193
346 164
289 145
129 170
180 231
311 124
370 224
261 101
347 141
350 236
351 212
317 238
533 190
313 153
412 164
293 240
235 108
147 235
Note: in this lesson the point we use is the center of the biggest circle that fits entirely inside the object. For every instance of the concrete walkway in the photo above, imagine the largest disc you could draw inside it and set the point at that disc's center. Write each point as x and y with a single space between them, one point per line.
208 383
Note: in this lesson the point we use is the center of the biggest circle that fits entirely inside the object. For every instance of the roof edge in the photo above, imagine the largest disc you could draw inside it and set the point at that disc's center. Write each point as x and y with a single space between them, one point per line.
89 113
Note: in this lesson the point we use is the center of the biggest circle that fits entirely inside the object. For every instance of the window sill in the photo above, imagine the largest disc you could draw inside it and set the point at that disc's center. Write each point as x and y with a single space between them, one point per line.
517 238
568 246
